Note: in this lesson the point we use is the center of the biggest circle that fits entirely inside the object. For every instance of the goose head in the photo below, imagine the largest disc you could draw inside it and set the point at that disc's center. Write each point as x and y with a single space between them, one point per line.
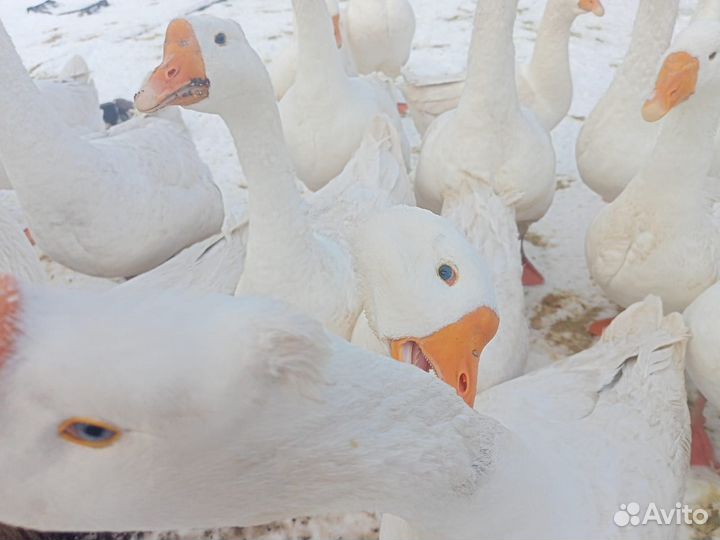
589 6
691 67
207 65
427 294
113 411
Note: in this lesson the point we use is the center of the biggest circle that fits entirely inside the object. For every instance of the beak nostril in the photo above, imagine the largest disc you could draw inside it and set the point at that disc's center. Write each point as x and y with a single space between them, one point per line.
172 72
463 383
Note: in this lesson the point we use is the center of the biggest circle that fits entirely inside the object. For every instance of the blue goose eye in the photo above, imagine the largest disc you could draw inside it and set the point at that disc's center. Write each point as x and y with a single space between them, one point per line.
220 39
448 274
91 433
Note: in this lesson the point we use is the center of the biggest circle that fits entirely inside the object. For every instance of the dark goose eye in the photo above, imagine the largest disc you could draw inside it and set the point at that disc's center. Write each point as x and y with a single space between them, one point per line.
447 273
91 433
712 55
220 39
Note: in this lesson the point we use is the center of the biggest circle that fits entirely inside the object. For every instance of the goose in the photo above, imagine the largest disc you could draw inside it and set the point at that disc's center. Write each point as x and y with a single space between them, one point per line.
659 235
615 142
545 84
86 371
283 67
287 245
116 205
489 136
73 97
380 34
325 113
703 367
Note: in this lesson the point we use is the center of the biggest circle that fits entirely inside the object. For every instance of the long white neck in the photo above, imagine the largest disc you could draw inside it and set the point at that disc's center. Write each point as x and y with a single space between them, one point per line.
490 92
683 153
550 63
381 436
319 62
652 33
33 136
277 213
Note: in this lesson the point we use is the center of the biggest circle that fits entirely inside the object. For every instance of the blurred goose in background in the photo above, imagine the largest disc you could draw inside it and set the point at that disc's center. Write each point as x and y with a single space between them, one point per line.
283 68
100 366
114 205
615 142
380 34
326 112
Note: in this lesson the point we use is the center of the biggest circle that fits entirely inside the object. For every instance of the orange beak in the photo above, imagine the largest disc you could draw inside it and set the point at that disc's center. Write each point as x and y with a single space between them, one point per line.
453 352
593 6
336 29
675 84
181 78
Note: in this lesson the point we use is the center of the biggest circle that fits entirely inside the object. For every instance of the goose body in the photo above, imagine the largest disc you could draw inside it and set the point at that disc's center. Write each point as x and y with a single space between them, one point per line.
325 113
115 205
659 236
380 34
554 443
703 367
489 136
615 142
74 99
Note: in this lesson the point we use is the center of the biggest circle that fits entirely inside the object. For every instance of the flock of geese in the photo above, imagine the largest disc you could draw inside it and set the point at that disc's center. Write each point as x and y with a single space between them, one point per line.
237 373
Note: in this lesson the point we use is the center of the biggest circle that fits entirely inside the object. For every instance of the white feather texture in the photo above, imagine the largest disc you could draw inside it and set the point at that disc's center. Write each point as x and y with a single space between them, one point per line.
235 386
111 206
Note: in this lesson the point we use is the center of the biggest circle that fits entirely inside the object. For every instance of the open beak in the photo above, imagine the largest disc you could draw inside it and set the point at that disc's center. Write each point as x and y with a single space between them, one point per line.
181 78
453 353
338 32
676 82
593 6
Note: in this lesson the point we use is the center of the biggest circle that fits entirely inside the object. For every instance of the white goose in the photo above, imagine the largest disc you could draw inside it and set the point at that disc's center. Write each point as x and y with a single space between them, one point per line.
110 206
325 113
490 139
659 236
545 84
292 253
615 142
283 67
74 98
85 371
380 34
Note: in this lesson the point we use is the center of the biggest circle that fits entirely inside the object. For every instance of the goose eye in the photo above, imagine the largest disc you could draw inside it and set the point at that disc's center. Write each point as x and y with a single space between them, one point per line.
91 433
448 274
712 55
220 39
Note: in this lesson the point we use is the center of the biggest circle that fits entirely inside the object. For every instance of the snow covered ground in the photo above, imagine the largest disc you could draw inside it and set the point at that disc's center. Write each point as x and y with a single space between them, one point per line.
122 42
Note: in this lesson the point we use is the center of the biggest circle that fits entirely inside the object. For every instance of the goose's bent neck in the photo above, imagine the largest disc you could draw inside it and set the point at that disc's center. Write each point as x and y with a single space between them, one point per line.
683 154
550 63
31 128
490 92
319 61
652 33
